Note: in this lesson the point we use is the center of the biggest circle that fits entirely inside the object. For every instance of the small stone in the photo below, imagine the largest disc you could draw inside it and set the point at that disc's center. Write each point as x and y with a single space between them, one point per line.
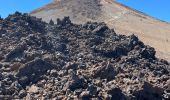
76 82
1 65
22 94
78 91
54 73
33 89
85 94
15 66
107 96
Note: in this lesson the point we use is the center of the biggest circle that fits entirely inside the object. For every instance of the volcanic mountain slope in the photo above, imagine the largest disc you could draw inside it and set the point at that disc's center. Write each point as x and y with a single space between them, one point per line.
76 62
124 20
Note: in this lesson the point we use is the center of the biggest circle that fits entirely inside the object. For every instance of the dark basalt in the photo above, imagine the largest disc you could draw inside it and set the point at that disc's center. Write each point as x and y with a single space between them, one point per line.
69 61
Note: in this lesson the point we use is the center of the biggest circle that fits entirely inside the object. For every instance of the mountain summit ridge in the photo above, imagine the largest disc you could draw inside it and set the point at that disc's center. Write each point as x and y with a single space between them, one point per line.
118 16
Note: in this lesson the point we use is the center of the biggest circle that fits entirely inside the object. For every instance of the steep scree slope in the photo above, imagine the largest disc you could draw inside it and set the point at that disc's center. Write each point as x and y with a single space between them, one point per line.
123 19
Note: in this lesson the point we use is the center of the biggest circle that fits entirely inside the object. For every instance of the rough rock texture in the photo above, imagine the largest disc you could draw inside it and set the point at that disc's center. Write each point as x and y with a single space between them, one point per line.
69 61
123 19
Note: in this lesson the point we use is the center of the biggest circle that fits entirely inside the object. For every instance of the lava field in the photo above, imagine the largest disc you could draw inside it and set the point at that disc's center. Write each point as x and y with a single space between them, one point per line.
67 61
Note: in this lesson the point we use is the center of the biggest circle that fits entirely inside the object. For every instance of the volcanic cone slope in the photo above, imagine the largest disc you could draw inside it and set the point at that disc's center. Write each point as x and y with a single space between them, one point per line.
123 19
70 61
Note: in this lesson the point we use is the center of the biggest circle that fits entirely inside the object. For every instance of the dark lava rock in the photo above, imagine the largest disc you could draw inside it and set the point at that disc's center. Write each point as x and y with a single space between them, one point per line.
100 30
16 52
22 94
105 72
76 82
148 52
69 61
51 22
149 92
31 72
116 94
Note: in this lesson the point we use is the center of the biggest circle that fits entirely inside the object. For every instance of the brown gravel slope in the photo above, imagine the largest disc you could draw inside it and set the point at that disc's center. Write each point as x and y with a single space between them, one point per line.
125 20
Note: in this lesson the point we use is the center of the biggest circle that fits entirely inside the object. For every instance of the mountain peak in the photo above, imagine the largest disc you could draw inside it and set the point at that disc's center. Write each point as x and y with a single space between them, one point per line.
118 16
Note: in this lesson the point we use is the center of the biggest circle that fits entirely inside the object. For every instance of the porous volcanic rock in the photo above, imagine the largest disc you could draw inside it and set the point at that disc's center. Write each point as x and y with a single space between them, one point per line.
41 60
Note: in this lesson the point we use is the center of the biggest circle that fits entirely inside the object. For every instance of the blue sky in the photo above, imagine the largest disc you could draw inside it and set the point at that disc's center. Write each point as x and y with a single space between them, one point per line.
10 6
157 8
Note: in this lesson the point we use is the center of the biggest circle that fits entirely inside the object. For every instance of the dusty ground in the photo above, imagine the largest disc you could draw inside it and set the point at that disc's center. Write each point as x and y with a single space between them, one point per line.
123 19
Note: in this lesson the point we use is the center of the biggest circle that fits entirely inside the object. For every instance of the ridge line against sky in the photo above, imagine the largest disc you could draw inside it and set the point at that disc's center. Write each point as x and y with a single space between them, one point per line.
159 9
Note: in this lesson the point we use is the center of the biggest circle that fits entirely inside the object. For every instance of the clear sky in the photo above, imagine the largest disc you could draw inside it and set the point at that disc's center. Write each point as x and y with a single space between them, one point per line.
10 6
157 8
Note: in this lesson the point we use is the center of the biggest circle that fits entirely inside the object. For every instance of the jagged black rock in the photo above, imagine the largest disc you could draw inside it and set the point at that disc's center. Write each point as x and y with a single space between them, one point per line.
69 61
